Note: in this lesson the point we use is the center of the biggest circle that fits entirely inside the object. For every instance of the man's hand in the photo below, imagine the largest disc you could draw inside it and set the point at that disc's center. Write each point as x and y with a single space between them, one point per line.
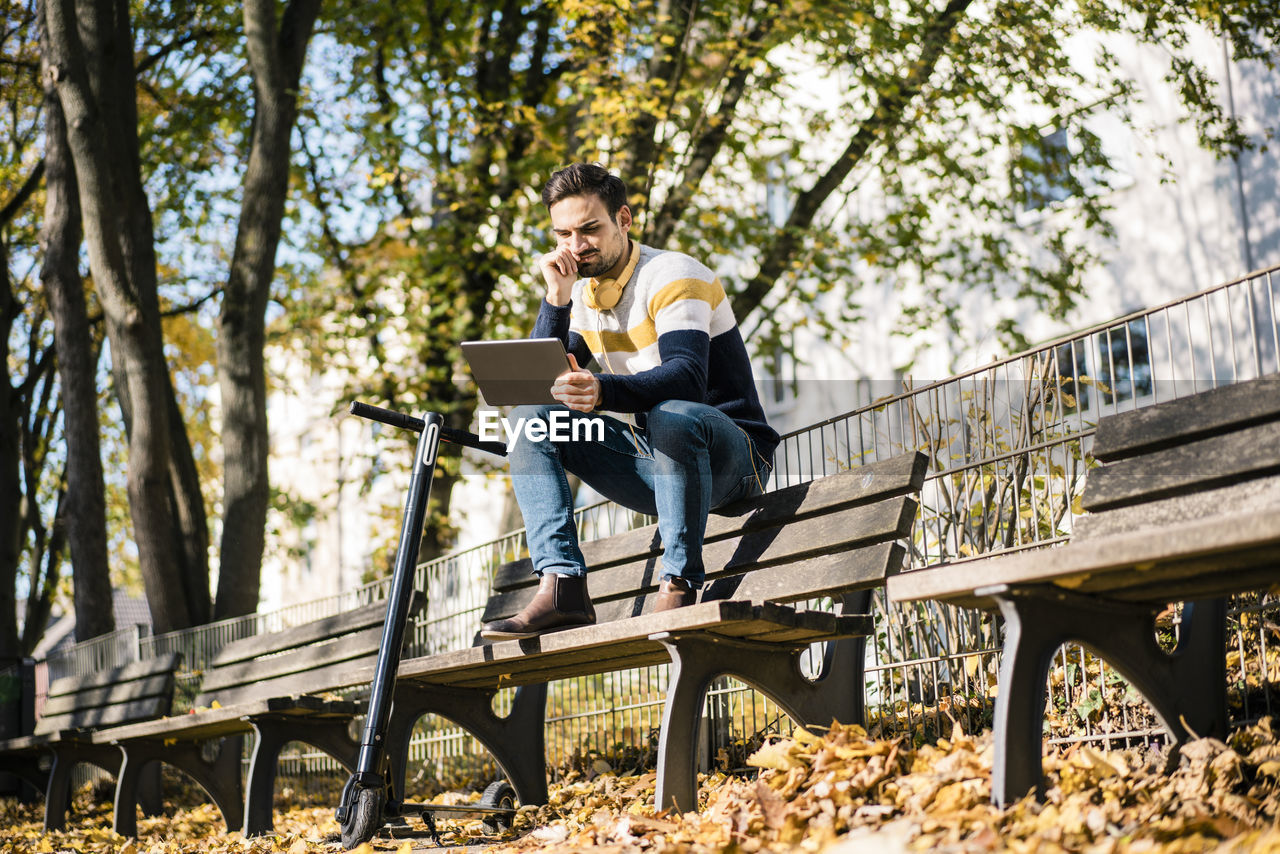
576 388
560 270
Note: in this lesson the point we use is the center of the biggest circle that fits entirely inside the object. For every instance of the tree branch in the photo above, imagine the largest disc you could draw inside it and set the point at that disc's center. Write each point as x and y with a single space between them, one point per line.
11 207
147 62
666 65
891 104
387 107
708 143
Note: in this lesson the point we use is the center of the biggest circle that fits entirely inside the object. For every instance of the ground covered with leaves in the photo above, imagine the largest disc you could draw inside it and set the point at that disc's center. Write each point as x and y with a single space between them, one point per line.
843 790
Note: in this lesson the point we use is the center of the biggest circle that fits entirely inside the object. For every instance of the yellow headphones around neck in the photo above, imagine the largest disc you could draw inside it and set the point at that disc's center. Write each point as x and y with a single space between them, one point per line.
604 294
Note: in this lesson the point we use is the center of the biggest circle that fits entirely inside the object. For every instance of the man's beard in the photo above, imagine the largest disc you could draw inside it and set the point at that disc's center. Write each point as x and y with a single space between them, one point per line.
597 264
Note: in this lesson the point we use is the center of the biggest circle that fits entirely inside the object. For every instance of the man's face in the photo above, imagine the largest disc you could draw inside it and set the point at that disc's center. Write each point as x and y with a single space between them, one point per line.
598 243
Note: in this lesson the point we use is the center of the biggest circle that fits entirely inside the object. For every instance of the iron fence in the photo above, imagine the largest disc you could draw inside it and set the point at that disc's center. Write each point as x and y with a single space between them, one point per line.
1009 446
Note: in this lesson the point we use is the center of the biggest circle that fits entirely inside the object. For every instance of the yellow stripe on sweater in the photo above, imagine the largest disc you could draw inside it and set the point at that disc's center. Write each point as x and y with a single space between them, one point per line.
682 289
633 340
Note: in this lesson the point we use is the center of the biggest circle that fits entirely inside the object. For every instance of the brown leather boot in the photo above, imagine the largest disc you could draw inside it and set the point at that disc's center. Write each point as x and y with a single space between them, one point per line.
674 593
560 603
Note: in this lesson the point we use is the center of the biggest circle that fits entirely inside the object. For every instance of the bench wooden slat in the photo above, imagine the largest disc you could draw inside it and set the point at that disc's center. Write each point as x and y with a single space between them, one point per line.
501 653
581 650
643 652
621 656
159 685
872 482
212 723
314 680
264 671
1215 411
247 649
115 675
822 576
840 531
1125 553
1231 457
1197 578
1249 495
104 716
813 578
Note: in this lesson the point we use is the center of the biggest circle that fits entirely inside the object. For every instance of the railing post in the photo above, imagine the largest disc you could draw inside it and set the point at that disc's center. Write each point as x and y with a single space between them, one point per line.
140 631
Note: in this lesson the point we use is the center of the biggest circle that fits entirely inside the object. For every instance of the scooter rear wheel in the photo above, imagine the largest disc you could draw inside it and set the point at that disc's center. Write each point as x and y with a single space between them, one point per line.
364 817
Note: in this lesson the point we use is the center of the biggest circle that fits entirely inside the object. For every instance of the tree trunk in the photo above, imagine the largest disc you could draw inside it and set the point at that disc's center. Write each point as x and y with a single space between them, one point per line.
84 511
11 520
44 582
91 59
15 404
276 57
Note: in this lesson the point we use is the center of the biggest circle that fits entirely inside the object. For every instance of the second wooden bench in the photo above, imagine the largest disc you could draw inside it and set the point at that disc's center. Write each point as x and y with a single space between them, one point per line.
274 686
1186 507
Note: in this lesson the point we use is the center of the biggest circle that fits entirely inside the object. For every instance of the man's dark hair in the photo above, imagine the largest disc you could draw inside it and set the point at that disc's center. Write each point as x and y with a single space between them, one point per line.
582 179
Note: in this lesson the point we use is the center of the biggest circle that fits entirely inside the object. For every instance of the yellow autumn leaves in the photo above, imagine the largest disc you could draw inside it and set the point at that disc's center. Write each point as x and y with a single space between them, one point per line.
813 793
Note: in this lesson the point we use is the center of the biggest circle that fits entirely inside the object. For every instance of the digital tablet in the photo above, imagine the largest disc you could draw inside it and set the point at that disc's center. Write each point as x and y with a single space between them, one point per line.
516 372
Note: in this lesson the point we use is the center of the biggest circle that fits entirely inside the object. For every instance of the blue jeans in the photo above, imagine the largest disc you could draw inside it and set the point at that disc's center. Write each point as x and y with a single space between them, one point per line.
689 460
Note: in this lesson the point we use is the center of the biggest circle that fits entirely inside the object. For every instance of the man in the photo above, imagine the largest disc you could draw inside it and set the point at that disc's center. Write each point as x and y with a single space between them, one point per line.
667 350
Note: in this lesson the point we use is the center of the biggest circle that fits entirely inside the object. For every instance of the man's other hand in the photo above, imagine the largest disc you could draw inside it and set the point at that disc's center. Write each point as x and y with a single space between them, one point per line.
576 388
560 270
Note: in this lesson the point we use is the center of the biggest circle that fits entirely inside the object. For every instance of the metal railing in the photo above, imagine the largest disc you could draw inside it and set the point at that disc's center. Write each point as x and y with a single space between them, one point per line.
1009 445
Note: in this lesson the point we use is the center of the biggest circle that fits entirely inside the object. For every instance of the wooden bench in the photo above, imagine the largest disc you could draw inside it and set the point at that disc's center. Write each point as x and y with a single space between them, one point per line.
266 685
75 706
834 537
1186 508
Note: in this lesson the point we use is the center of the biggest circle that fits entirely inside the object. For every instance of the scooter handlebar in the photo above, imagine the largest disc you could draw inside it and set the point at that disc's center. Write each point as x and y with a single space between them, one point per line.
410 422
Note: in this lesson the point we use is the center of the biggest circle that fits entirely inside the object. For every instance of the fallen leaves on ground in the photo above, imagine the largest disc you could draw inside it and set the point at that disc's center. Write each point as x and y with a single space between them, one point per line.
813 792
842 790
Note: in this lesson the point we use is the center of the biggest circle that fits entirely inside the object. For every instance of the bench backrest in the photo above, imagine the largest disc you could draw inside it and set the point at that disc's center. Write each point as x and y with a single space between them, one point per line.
827 537
314 657
1210 454
133 692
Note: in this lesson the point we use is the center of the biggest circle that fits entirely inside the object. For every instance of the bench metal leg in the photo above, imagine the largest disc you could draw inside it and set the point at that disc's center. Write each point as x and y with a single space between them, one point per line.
517 741
273 734
698 658
1186 688
57 798
220 778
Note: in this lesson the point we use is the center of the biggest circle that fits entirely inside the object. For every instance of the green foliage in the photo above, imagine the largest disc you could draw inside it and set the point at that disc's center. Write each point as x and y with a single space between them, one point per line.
809 151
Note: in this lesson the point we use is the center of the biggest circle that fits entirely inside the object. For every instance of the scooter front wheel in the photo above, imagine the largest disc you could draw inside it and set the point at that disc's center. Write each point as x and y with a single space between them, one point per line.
363 817
498 794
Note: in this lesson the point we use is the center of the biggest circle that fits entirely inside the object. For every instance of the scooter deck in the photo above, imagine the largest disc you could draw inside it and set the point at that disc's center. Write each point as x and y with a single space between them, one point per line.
502 816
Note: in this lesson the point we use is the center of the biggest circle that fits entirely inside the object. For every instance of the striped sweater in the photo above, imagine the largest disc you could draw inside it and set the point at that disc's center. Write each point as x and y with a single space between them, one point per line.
672 336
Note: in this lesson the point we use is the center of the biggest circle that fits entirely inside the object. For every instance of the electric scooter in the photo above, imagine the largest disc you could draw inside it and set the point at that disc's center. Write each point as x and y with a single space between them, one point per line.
364 805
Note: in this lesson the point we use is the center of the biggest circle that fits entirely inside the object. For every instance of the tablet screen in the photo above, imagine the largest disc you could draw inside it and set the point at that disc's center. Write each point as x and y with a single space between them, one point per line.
516 372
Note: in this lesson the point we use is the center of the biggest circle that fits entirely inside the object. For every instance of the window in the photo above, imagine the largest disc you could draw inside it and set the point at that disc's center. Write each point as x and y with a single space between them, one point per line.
1045 171
1117 369
777 193
778 387
1124 363
1072 368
